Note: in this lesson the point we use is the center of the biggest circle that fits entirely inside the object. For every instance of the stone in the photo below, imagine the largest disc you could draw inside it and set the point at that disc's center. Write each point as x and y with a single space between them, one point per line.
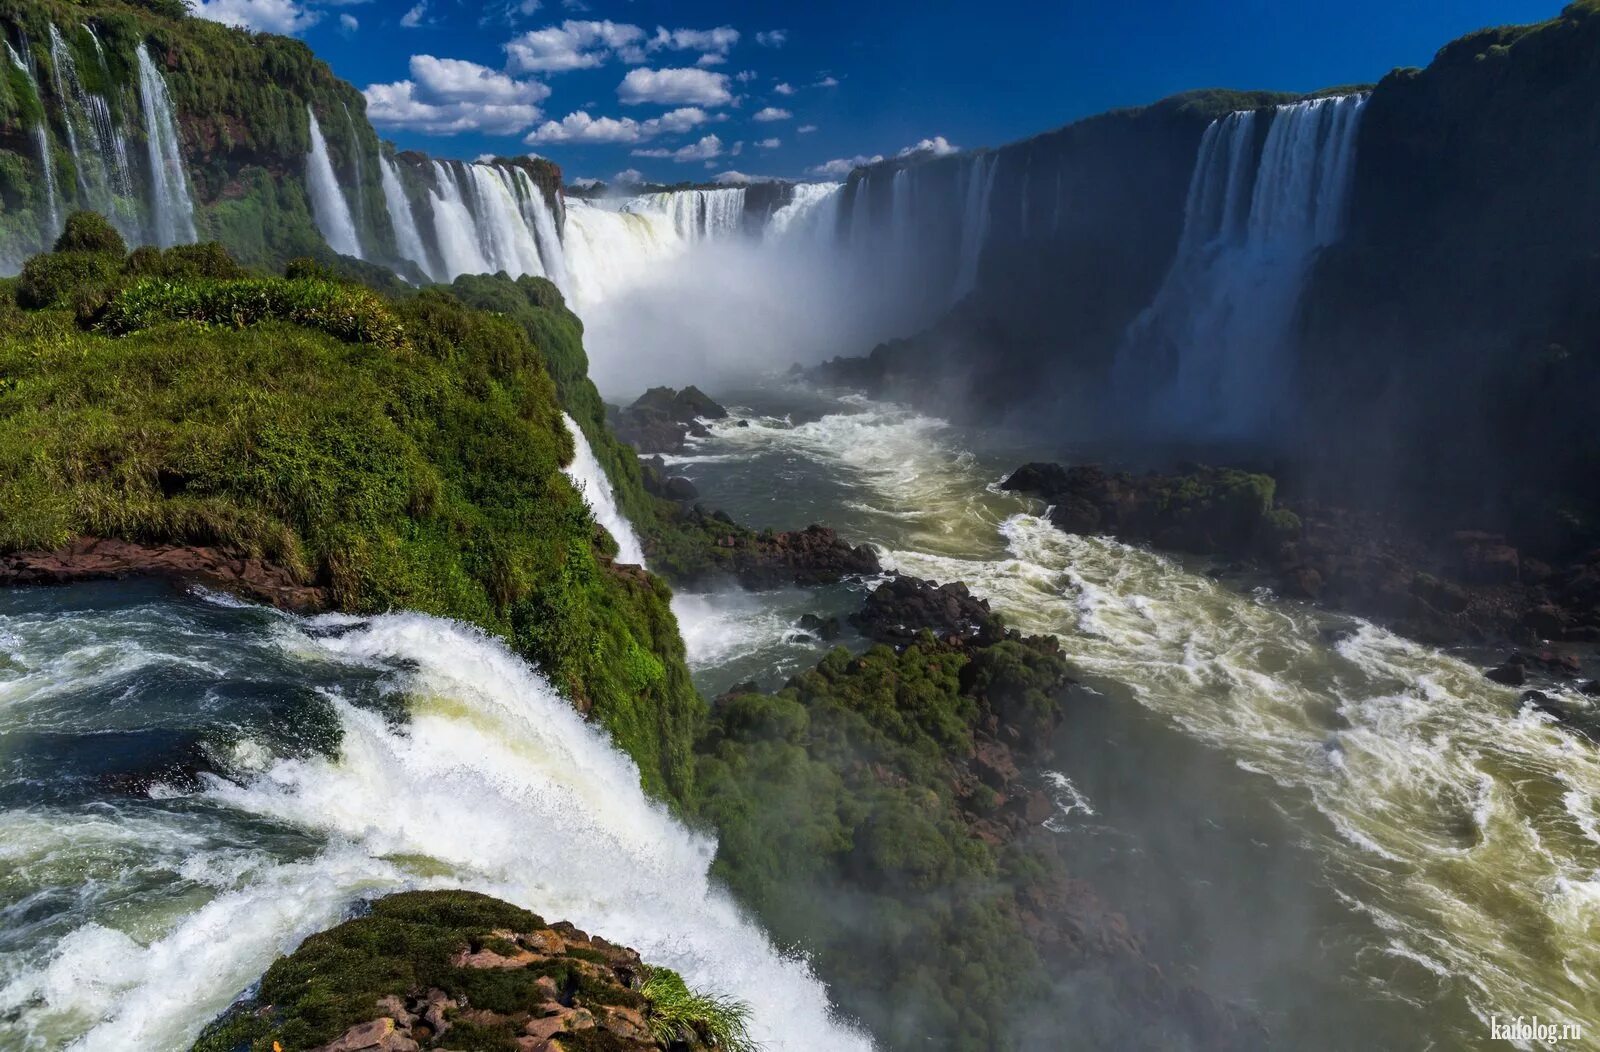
1509 674
378 1035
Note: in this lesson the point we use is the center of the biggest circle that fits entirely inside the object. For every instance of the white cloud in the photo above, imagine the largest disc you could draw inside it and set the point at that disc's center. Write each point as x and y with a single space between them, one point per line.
773 38
263 16
484 158
806 129
456 80
938 146
710 59
580 127
745 76
413 18
738 148
827 82
732 178
772 113
770 144
349 24
573 45
784 89
510 11
843 166
583 182
718 41
707 148
696 87
629 177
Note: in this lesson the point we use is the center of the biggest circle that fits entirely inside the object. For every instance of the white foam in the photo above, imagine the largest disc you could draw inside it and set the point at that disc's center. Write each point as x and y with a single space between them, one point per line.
592 482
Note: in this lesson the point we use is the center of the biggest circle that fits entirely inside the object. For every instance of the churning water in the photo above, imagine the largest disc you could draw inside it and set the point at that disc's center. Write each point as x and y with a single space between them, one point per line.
189 786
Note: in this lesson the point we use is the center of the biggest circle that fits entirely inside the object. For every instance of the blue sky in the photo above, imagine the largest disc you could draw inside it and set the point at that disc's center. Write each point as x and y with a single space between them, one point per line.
693 90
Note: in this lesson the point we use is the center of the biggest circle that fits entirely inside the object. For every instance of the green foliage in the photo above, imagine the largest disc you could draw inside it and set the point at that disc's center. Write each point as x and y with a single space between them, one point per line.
399 454
679 1014
347 312
90 232
58 279
838 799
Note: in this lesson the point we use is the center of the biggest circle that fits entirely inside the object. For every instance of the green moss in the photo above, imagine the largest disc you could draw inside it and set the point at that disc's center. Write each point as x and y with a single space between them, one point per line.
399 453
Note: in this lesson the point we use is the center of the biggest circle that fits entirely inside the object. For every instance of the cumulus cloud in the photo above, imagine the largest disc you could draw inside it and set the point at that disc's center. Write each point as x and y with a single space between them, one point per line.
769 144
264 16
695 87
629 177
581 127
348 24
713 42
773 38
707 148
583 182
772 113
413 18
938 146
745 76
445 95
843 166
573 45
827 82
806 129
783 89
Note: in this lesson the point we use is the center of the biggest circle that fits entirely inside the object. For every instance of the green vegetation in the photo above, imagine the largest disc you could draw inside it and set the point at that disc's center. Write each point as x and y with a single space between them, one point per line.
842 799
399 453
678 1014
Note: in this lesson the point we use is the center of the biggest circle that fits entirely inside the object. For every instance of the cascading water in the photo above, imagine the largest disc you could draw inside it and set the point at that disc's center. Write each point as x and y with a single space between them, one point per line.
1213 342
328 204
611 250
591 481
978 179
812 211
407 238
506 239
41 141
697 215
360 210
541 220
105 182
172 209
454 229
192 786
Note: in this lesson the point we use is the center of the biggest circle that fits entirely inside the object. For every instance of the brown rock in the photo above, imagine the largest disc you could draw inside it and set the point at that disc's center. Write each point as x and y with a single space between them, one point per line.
378 1035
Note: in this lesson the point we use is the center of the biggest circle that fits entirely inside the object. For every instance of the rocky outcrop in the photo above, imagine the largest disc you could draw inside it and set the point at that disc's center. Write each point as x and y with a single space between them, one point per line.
94 559
902 608
457 970
707 545
662 420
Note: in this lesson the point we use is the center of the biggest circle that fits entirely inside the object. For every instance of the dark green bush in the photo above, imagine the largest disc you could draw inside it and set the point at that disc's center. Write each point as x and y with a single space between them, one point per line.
90 232
352 314
58 279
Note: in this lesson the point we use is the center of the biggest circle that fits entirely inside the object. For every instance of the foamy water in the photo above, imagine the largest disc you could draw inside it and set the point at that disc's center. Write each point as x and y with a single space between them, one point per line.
458 766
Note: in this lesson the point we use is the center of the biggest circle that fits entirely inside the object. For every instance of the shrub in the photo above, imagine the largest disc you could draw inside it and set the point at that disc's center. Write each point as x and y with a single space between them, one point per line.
678 1014
90 232
351 314
58 279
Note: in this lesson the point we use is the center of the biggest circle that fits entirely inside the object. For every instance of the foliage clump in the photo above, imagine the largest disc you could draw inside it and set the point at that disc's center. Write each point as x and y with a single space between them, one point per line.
349 313
90 232
679 1014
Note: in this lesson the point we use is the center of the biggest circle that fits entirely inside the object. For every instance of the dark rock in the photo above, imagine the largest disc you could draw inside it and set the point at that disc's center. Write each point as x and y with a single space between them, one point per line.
1509 674
662 419
902 607
826 629
679 489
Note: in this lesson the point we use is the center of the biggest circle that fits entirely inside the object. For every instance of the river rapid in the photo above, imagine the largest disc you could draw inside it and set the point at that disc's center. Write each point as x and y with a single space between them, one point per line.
1356 836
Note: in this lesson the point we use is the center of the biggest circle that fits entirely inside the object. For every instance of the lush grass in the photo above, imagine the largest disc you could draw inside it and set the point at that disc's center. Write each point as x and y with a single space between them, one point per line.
401 453
679 1014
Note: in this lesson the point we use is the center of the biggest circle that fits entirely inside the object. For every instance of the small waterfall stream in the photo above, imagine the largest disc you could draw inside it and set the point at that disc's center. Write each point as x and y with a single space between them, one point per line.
41 140
407 238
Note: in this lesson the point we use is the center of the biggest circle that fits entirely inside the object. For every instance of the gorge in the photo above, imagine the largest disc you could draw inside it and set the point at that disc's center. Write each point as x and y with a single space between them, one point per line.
392 554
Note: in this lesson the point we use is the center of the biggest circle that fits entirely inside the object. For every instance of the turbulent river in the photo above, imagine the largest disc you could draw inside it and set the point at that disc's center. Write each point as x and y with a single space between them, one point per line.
1356 837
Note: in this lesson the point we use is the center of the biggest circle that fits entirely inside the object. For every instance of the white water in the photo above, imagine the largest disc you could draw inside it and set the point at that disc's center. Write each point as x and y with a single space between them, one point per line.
328 204
454 229
491 782
407 238
41 141
811 212
104 179
696 215
591 481
536 213
172 209
978 178
610 251
1214 342
1463 828
506 240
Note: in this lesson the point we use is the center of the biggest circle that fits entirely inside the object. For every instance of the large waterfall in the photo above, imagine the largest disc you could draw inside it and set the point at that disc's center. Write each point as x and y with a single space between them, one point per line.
328 204
171 208
51 224
99 150
697 215
1213 343
407 238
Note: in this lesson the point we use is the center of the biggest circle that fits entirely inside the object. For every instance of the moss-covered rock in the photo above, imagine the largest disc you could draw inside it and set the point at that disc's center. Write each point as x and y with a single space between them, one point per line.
459 970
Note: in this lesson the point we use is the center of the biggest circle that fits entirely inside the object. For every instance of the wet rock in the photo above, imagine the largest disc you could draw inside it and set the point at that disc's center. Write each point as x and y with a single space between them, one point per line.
1485 558
679 489
902 607
663 419
826 629
1509 674
378 1035
765 559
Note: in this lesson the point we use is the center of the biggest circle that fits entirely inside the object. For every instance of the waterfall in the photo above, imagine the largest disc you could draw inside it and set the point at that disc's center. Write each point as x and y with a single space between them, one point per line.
609 250
104 180
590 480
328 204
508 242
812 208
537 214
454 230
1213 343
407 238
697 215
41 142
172 209
978 179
